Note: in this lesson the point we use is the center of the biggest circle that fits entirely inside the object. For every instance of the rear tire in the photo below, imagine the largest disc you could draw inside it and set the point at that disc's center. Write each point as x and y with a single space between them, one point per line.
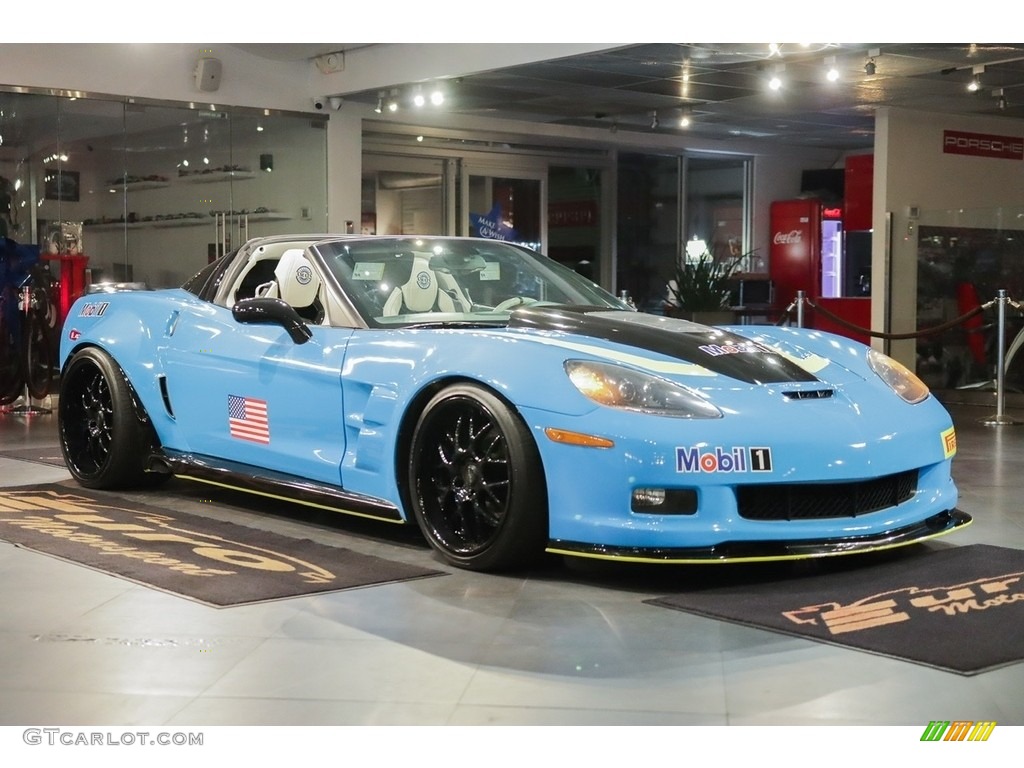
37 356
476 482
10 367
105 437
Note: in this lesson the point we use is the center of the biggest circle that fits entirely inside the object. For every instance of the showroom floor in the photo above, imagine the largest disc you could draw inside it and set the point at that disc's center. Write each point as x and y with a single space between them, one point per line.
566 644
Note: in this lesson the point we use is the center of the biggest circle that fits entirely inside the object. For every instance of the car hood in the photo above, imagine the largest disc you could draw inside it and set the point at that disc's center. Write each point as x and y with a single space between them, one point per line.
716 350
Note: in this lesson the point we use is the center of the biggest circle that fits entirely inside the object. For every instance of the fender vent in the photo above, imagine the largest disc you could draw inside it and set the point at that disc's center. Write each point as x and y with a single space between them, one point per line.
165 395
808 394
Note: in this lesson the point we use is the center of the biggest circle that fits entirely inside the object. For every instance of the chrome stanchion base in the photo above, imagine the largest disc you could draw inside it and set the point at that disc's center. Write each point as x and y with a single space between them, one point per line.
30 410
1000 421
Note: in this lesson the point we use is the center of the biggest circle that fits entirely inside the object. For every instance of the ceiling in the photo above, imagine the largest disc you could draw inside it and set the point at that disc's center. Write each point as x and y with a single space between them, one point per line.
723 87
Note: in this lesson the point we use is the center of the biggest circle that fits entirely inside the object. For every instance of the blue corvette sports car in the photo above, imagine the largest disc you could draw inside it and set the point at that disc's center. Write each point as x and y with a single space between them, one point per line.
505 405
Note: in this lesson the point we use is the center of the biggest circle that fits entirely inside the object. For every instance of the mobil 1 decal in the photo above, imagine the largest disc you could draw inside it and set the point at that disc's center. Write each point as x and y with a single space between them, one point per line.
719 459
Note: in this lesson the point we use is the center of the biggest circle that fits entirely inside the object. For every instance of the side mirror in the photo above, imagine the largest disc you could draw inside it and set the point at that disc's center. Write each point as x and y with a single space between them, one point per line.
264 310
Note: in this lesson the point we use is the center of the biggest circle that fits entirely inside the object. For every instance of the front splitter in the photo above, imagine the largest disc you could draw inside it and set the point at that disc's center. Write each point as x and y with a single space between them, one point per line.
770 551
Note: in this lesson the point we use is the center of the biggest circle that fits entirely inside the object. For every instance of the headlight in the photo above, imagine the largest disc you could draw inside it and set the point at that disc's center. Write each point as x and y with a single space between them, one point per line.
900 379
618 387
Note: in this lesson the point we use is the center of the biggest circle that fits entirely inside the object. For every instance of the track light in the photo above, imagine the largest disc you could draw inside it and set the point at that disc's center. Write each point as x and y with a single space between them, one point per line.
393 102
654 120
380 103
869 65
418 99
685 119
1000 98
775 82
975 82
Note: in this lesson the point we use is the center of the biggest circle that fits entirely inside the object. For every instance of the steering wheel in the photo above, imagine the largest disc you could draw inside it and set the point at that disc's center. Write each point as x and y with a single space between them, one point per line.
515 301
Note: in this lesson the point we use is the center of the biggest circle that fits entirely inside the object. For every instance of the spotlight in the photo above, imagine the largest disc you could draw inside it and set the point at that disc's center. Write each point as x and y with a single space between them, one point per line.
685 119
1000 98
380 103
393 102
975 82
831 74
418 98
654 120
775 83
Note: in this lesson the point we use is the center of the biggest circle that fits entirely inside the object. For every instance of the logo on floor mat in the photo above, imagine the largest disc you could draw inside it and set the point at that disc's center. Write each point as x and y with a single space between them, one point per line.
154 539
897 605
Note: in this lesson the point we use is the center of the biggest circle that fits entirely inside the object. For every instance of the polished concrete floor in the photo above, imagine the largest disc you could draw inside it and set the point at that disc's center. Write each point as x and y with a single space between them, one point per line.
566 644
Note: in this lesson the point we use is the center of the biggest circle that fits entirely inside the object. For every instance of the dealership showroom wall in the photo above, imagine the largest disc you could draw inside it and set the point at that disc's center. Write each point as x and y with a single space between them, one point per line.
584 650
319 155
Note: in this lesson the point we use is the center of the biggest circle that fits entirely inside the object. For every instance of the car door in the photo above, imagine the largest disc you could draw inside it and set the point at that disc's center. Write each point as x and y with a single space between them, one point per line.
248 393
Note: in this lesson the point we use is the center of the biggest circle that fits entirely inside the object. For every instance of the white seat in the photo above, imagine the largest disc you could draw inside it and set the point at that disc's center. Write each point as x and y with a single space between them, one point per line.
420 293
297 282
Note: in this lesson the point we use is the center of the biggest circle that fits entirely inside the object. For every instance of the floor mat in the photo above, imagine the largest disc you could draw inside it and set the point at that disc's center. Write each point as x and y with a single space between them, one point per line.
960 609
47 454
211 561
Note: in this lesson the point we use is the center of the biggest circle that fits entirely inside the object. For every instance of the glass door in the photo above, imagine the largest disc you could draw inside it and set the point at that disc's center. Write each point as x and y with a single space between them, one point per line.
406 196
504 206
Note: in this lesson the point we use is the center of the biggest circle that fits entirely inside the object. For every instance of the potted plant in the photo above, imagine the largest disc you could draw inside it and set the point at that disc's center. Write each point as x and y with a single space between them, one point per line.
699 289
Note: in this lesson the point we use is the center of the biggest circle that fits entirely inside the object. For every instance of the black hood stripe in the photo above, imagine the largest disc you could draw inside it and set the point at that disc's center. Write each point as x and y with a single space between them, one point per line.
726 354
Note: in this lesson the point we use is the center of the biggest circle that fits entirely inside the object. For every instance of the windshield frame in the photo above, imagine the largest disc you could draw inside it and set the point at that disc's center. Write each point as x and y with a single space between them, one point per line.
375 274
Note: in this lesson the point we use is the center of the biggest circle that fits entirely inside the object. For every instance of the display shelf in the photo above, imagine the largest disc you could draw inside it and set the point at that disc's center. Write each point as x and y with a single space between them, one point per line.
140 186
253 218
213 178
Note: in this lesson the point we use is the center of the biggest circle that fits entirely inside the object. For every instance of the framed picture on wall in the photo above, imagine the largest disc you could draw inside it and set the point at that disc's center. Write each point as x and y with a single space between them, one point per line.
60 185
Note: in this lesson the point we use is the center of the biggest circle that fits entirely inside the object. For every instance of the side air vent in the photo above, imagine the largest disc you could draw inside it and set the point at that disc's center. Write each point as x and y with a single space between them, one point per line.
165 395
808 394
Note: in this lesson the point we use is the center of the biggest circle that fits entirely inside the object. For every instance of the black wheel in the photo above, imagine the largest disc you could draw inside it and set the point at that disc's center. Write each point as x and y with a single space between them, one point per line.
10 367
37 356
476 482
104 436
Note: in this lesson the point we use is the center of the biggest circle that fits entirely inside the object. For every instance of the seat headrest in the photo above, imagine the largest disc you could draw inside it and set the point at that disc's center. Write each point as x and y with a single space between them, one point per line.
420 291
297 281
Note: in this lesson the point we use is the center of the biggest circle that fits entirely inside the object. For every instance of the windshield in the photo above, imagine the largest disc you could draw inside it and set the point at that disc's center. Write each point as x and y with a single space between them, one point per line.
409 281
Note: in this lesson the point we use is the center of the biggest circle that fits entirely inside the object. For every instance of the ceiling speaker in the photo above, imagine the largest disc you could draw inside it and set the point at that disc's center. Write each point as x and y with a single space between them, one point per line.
207 74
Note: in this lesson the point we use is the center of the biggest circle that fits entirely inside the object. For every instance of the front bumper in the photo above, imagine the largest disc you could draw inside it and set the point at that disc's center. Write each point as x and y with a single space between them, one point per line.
770 551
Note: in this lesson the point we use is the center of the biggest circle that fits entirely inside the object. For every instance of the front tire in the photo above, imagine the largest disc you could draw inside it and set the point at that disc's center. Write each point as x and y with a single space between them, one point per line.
103 435
476 483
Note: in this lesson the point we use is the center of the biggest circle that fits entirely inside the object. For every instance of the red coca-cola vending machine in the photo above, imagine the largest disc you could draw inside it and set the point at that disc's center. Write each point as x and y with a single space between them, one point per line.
807 254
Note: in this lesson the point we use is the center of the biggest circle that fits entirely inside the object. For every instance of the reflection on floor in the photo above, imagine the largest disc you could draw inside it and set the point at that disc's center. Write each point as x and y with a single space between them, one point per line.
565 644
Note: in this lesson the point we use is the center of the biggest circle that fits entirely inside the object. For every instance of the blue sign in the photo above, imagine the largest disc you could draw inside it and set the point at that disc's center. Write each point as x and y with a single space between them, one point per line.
491 226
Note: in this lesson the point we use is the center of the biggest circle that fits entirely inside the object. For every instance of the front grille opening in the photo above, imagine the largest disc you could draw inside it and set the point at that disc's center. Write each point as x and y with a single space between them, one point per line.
822 501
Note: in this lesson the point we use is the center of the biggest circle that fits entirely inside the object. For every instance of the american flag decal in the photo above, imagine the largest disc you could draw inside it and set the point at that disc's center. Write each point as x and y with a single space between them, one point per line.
247 419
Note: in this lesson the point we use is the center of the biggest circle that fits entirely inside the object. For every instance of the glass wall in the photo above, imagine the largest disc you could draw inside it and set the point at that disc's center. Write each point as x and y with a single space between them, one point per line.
648 226
666 201
151 192
574 218
964 258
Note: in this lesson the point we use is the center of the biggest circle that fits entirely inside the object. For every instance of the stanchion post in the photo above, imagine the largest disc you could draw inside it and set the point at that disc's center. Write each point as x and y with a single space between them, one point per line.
799 309
1000 418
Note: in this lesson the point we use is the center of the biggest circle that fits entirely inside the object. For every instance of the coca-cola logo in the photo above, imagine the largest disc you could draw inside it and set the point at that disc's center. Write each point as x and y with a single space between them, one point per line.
792 237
